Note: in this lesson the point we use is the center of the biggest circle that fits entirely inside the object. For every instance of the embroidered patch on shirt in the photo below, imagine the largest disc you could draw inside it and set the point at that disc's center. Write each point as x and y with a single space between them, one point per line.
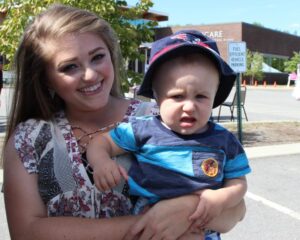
210 167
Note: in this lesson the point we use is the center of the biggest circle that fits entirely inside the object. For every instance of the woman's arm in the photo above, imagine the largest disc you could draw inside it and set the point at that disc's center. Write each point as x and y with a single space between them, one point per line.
27 216
169 219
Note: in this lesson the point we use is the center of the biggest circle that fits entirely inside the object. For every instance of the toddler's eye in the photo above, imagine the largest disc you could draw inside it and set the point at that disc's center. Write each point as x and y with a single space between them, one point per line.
177 97
199 96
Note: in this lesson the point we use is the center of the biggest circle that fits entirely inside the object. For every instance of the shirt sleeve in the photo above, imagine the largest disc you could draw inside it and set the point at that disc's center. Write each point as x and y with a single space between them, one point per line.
237 163
124 137
31 139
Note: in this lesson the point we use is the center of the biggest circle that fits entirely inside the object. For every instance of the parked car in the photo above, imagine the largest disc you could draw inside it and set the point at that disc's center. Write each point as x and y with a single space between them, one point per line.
8 77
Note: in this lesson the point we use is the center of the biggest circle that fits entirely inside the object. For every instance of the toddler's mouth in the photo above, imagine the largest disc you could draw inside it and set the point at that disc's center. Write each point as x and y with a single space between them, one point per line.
187 121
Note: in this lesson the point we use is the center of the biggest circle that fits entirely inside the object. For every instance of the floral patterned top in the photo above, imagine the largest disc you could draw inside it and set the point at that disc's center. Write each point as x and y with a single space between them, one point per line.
50 150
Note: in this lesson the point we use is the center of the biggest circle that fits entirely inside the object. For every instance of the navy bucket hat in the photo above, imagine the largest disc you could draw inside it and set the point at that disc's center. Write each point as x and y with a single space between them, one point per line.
182 43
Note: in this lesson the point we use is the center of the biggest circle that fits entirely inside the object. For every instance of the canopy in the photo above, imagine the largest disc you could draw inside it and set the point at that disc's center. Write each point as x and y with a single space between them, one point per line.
268 69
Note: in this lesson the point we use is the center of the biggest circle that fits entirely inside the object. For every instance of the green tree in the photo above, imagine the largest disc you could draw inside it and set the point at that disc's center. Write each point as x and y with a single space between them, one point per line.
291 64
131 35
254 66
278 63
258 24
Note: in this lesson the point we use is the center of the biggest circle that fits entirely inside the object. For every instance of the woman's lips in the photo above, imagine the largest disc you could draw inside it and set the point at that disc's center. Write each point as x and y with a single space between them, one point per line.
91 89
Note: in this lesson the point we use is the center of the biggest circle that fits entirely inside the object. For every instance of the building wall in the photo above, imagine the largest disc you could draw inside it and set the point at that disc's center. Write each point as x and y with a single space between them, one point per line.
259 39
269 41
221 33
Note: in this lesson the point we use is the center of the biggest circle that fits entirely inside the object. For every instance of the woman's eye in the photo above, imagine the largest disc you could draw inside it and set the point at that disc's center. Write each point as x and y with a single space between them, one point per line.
98 57
68 68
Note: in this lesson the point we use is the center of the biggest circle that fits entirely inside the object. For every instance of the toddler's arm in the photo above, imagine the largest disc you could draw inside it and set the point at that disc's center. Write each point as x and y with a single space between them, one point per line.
106 172
213 202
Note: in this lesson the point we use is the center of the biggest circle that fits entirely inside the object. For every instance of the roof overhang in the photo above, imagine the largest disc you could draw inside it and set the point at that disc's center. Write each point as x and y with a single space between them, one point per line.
151 15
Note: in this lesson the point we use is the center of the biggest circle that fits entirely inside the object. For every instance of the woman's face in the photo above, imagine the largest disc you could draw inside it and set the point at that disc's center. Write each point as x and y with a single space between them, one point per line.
80 71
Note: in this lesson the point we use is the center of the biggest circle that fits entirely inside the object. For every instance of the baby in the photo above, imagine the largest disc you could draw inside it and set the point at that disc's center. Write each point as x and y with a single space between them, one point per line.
179 151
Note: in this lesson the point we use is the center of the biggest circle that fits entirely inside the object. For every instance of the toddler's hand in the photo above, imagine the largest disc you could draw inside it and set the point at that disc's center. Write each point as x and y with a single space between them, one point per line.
108 175
208 208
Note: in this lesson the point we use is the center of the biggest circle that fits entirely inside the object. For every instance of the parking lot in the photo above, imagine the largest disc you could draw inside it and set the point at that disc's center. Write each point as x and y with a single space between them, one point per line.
273 210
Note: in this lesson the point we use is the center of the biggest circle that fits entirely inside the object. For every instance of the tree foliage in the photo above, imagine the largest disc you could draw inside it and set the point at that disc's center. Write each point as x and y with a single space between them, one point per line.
258 24
291 64
254 66
20 12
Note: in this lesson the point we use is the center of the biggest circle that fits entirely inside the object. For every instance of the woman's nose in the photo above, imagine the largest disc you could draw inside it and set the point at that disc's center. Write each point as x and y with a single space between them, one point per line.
89 74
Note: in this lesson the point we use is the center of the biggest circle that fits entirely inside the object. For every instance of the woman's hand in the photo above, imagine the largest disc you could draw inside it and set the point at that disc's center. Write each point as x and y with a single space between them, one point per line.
168 219
193 236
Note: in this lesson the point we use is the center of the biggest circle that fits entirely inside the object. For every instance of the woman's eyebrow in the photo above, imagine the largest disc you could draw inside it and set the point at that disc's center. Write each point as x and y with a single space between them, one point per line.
95 50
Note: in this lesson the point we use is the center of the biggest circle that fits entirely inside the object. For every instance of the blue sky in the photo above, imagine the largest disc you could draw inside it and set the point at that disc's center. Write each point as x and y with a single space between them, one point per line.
283 15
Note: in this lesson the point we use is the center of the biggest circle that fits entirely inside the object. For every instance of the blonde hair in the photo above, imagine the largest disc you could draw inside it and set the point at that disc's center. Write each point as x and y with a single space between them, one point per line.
32 98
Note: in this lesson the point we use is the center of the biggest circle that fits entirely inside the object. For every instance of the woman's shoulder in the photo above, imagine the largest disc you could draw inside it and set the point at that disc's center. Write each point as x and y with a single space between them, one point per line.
31 126
30 140
140 108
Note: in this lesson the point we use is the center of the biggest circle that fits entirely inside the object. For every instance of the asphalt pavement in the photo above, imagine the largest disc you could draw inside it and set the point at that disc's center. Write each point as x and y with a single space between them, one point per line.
266 104
273 210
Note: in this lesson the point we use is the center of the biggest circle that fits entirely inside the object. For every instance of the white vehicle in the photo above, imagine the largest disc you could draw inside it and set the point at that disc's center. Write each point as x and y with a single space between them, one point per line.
8 77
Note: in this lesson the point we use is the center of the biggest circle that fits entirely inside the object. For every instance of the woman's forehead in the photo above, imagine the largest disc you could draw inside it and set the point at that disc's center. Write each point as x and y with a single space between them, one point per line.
73 44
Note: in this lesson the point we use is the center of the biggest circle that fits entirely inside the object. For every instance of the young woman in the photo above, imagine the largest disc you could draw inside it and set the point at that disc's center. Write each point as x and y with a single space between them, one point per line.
67 91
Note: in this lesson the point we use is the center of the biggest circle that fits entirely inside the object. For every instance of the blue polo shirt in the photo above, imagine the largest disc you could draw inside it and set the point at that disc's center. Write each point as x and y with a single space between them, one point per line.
170 164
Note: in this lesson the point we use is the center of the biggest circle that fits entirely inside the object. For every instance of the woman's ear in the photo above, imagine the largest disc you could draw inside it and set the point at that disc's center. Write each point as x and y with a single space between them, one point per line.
50 89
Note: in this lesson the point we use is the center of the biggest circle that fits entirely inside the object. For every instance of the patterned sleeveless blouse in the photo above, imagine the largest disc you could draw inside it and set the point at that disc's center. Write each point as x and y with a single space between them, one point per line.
50 150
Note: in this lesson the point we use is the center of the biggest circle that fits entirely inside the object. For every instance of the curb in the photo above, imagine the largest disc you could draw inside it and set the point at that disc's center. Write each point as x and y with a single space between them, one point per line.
273 150
254 152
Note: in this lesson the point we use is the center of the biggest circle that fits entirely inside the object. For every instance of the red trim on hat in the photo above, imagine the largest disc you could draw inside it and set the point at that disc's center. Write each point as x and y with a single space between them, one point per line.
181 36
164 50
202 44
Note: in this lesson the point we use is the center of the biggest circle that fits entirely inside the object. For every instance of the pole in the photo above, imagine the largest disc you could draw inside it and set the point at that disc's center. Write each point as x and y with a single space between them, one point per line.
239 115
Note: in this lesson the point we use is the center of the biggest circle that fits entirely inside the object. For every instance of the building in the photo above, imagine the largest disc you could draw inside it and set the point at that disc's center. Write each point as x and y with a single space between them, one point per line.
275 46
150 15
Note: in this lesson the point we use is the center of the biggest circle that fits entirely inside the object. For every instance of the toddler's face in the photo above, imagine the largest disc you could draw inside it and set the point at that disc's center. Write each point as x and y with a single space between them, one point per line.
185 92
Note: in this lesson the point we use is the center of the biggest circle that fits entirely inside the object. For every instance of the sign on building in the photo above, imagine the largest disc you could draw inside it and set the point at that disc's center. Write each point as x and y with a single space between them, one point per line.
237 56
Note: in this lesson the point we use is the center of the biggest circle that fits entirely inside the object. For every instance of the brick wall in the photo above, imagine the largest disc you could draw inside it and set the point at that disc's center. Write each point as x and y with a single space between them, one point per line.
257 38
